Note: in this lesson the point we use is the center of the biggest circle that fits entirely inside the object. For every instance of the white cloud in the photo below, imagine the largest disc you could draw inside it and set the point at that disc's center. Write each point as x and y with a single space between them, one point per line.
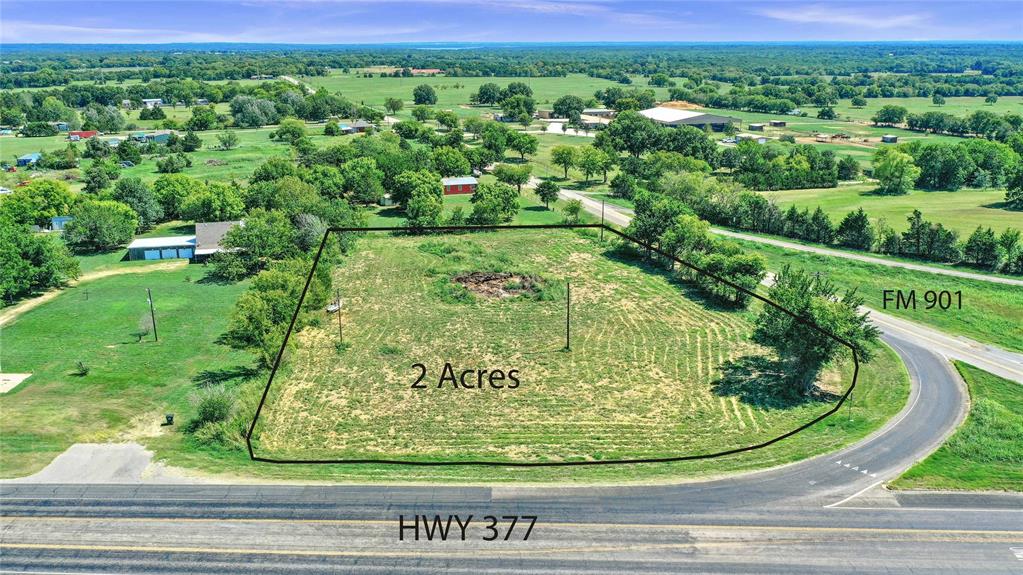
14 31
832 15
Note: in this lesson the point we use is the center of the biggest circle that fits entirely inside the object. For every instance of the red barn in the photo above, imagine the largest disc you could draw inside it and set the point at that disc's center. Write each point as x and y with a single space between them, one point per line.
81 135
459 185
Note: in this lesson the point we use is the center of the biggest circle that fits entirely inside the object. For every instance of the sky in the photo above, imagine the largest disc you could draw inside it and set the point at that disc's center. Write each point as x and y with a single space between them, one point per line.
391 21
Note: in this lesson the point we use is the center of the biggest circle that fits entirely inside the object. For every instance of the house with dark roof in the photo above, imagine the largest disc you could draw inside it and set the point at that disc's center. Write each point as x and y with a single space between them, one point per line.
208 236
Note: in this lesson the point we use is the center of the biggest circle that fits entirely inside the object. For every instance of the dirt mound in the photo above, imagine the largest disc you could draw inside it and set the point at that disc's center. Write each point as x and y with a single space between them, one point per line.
679 105
498 284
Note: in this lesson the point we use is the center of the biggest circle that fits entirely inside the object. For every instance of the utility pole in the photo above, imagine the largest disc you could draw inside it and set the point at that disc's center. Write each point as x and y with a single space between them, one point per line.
568 316
340 333
602 221
152 314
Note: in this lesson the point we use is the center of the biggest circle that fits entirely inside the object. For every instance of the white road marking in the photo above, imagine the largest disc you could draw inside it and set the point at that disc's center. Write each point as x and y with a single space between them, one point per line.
855 495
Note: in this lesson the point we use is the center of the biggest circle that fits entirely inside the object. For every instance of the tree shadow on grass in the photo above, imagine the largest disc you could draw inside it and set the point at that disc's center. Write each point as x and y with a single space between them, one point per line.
1001 206
761 382
212 377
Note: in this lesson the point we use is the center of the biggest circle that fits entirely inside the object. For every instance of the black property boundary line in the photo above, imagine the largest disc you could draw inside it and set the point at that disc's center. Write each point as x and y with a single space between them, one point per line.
800 319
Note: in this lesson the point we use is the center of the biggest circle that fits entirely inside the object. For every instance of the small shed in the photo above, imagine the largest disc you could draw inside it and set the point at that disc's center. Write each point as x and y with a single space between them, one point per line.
823 138
202 102
29 159
165 248
545 114
152 102
756 127
890 139
778 123
81 135
62 126
751 138
386 200
459 185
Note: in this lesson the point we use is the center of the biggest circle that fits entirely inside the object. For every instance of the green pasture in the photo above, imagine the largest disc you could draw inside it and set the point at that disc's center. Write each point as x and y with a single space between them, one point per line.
957 106
986 452
962 210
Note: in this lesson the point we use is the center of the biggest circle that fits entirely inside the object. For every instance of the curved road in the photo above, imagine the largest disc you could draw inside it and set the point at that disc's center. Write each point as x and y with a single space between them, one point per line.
821 515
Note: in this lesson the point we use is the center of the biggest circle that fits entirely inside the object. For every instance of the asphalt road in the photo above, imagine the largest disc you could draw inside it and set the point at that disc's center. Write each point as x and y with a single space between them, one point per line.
823 515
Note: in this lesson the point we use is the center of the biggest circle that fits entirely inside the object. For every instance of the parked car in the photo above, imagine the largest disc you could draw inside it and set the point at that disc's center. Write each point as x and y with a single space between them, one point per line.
127 164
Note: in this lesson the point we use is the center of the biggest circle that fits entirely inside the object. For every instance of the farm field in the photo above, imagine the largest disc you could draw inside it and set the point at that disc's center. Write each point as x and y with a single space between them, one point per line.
962 210
957 106
130 385
986 452
374 91
653 371
991 313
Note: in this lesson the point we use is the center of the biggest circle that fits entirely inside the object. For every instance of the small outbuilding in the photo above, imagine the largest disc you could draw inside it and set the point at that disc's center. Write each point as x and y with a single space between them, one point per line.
165 248
778 123
751 138
756 127
81 135
824 138
459 185
29 159
152 102
360 126
889 139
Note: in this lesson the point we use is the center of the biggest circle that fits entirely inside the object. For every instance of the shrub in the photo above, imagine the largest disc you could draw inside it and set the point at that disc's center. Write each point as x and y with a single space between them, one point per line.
211 407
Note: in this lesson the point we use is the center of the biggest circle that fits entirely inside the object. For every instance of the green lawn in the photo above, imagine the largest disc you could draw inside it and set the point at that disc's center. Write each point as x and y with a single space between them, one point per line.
130 385
986 452
991 313
962 210
958 106
374 91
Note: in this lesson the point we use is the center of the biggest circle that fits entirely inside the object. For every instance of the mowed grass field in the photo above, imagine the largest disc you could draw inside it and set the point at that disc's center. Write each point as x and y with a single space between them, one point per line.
375 91
957 106
130 385
962 210
986 452
653 371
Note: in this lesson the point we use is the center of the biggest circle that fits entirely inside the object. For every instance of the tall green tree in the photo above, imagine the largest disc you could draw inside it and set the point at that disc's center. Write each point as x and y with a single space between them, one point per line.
895 171
805 345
